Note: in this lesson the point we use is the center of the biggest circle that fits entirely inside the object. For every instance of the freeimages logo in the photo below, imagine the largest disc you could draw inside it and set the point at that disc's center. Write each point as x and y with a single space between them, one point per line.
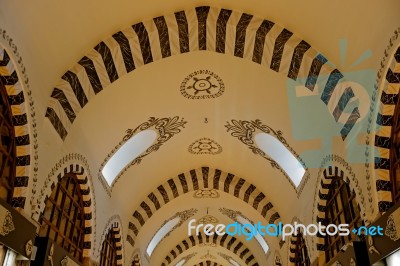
284 230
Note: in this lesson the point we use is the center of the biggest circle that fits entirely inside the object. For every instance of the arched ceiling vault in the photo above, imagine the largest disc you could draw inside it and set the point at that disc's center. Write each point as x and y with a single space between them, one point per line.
200 29
231 244
173 157
202 183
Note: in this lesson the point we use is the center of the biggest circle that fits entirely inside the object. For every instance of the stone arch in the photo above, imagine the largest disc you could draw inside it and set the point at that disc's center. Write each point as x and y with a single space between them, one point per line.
206 180
230 243
384 121
202 28
33 141
323 186
76 164
114 223
10 79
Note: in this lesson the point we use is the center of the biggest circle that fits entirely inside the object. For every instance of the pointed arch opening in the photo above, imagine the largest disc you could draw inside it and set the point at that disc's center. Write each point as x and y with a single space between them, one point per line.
63 218
341 208
15 134
7 148
111 249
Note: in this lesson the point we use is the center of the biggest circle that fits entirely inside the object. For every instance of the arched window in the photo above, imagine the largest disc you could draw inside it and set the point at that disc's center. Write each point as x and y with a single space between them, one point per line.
63 217
395 154
109 249
301 257
341 208
7 147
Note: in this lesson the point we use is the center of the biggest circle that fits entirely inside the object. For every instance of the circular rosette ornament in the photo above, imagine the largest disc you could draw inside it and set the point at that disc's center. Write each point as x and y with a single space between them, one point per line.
202 84
205 146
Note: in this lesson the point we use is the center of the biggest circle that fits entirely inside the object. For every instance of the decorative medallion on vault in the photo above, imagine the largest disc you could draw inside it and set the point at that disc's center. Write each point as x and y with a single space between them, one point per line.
206 194
230 213
202 84
208 219
205 146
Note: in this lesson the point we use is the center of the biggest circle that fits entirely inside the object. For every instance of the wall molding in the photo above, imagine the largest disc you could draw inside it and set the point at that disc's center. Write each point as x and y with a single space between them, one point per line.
388 91
18 89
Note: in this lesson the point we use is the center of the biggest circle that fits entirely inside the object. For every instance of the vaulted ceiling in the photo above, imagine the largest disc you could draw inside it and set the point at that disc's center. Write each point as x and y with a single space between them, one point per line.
267 66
